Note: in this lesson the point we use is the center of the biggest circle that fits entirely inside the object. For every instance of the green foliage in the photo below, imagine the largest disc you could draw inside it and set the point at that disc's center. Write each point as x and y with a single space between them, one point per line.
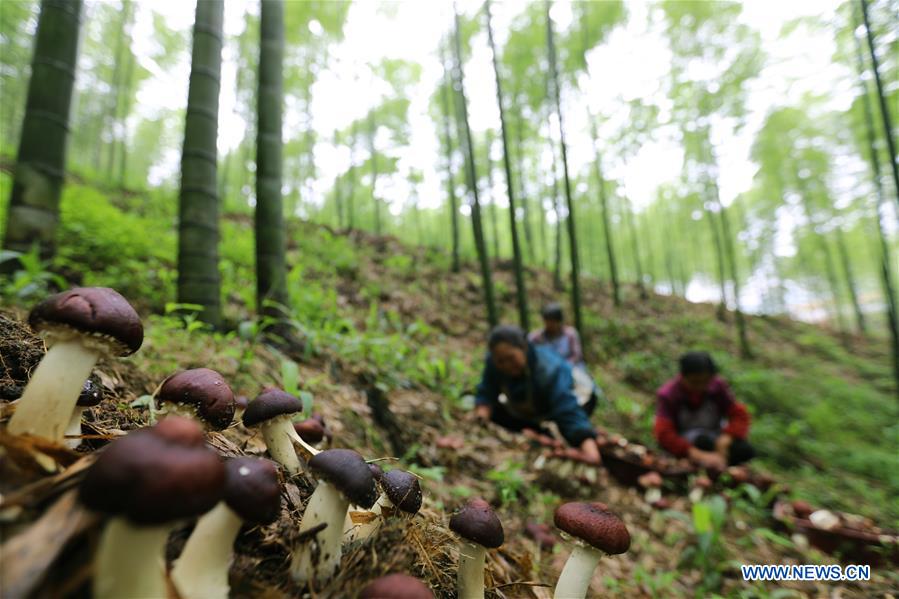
509 482
707 552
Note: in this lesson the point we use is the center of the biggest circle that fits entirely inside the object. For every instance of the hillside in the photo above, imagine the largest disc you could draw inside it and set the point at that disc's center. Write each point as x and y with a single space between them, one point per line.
391 344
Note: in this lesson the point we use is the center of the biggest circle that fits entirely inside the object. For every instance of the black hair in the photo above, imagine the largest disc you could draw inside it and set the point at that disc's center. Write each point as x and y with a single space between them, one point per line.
697 362
552 311
506 333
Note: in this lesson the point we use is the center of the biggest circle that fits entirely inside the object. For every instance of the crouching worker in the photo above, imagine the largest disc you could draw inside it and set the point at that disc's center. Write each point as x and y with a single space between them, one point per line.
524 385
691 411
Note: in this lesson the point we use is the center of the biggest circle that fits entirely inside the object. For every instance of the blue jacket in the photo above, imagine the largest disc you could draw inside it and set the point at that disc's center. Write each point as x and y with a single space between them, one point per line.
548 383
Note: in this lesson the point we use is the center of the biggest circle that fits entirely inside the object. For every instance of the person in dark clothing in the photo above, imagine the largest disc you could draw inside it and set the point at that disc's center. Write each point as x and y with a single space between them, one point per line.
523 385
690 413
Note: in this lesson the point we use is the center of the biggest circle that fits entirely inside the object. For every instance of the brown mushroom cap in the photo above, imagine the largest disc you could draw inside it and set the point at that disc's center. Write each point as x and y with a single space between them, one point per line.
204 390
348 472
252 489
95 311
156 475
271 403
376 471
477 522
396 586
310 430
594 524
241 402
403 490
91 394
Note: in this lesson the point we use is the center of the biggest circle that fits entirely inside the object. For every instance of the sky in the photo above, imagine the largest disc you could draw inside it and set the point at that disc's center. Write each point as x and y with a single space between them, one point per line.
634 57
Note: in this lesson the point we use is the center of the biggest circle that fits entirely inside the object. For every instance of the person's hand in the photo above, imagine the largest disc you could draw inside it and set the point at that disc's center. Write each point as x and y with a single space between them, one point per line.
722 445
589 451
709 460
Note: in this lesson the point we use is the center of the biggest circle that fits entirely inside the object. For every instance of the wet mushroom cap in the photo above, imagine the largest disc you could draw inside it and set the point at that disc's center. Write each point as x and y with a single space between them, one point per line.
156 475
241 402
594 524
376 471
91 394
396 586
271 403
477 522
310 430
403 490
206 391
252 489
96 311
347 471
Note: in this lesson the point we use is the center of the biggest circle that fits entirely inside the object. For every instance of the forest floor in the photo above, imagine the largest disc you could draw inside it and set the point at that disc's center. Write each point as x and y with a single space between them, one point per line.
393 343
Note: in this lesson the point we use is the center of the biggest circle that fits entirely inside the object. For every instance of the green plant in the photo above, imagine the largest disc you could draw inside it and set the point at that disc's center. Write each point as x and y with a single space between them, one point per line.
32 279
707 553
508 480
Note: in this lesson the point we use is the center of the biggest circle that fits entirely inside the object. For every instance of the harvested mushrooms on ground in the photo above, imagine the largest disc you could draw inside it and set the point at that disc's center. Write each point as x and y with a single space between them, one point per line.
253 495
201 394
80 326
480 529
343 478
146 482
596 531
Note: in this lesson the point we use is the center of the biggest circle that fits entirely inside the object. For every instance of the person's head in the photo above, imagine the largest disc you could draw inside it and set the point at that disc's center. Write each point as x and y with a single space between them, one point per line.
697 369
552 319
508 349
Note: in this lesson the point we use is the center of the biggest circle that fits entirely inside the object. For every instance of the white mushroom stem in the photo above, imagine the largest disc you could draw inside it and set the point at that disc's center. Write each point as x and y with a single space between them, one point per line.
277 435
130 561
360 532
73 431
471 570
201 572
45 408
652 494
318 556
574 582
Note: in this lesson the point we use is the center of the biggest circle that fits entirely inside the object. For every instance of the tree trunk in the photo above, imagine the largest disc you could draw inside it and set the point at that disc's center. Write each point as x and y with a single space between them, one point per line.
112 111
846 263
886 268
465 136
372 131
745 350
123 117
351 173
198 234
271 263
719 260
494 224
33 212
572 235
525 209
521 294
338 191
448 141
881 96
557 250
606 224
635 248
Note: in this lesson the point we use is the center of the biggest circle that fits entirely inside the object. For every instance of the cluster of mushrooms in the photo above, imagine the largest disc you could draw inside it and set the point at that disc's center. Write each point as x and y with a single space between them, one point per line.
155 479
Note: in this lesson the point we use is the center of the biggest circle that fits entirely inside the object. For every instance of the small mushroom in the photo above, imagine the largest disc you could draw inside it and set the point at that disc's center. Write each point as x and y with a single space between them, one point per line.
271 412
79 326
402 493
824 519
396 586
802 509
240 404
252 495
311 430
146 482
652 482
541 534
597 532
480 530
91 395
201 394
343 478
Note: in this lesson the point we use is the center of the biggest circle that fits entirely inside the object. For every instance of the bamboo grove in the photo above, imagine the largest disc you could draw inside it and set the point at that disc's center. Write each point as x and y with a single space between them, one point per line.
812 233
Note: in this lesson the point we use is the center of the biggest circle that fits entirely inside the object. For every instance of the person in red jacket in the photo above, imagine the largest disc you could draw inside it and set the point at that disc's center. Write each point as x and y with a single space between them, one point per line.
697 416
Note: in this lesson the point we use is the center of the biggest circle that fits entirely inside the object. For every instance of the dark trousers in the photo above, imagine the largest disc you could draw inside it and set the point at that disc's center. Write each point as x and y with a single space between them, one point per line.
740 449
501 416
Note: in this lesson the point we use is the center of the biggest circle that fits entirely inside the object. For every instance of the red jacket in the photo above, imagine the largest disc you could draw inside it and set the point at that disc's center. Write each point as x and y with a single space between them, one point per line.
675 402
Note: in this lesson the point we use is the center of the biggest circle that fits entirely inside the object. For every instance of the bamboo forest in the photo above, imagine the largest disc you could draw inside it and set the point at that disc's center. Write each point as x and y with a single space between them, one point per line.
466 299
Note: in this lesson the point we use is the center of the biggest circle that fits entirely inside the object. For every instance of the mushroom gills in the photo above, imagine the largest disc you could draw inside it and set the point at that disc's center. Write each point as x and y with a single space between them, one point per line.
45 408
201 572
130 561
318 556
277 435
574 582
471 570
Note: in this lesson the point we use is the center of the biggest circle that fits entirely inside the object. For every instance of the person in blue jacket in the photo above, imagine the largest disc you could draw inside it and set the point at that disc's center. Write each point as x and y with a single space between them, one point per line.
525 384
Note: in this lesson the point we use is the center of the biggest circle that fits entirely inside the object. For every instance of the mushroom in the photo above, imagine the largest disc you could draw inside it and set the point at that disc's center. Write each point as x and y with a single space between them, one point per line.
271 412
402 492
343 478
480 530
79 326
597 531
91 395
824 519
252 495
201 394
652 482
802 509
146 482
396 586
311 430
240 404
